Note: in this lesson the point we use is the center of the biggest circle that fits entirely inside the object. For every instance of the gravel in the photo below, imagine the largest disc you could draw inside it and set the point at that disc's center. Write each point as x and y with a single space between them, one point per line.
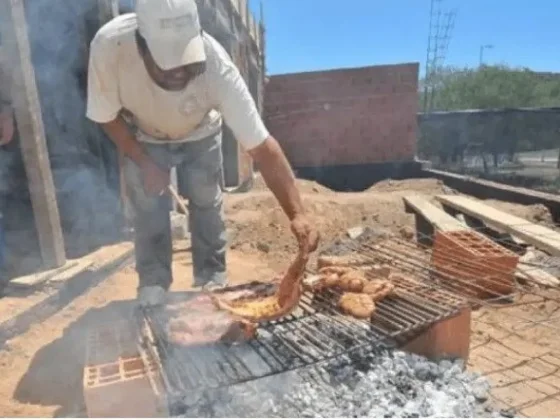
356 236
373 384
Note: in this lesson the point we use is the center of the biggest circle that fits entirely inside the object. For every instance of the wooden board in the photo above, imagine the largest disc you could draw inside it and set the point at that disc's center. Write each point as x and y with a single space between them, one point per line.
539 236
438 218
66 272
32 136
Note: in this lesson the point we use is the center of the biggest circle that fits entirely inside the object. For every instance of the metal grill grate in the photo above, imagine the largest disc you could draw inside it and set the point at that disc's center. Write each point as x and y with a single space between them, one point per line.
317 331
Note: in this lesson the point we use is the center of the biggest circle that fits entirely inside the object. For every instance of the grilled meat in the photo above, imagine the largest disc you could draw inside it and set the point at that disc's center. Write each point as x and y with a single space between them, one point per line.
352 281
281 303
359 305
197 322
340 261
378 289
335 269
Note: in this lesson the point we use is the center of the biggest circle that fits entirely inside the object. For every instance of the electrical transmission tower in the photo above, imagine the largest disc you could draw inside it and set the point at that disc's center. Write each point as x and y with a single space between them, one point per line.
439 37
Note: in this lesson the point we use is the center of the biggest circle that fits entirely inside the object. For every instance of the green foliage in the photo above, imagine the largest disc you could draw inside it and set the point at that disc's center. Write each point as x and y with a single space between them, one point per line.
505 132
493 87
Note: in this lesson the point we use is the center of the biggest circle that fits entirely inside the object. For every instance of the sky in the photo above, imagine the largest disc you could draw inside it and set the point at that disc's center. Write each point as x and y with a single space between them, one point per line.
306 35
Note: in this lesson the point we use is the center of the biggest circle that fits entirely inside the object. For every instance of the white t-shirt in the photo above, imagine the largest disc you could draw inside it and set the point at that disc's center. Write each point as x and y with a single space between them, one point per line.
118 80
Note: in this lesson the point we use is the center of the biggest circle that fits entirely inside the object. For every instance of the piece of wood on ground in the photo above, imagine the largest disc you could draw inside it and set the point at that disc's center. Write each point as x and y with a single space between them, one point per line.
527 271
539 236
32 135
477 225
438 218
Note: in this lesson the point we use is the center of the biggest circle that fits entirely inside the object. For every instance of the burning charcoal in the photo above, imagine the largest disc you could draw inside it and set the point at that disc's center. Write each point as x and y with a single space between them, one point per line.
368 384
422 371
445 365
480 389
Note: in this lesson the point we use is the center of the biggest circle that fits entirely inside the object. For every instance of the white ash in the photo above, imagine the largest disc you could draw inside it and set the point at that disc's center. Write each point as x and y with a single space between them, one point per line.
382 384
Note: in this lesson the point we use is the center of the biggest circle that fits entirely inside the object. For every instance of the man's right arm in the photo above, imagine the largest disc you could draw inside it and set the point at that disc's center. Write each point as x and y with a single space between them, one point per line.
104 107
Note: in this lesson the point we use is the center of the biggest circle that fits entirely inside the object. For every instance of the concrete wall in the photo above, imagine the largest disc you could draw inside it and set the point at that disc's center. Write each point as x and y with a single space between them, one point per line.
345 117
232 24
503 130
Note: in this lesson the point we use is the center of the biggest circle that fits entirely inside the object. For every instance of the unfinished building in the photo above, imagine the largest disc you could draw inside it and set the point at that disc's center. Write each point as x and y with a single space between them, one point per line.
83 162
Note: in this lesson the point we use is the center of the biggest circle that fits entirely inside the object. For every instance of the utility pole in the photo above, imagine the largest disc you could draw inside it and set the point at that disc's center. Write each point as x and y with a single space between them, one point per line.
482 48
439 38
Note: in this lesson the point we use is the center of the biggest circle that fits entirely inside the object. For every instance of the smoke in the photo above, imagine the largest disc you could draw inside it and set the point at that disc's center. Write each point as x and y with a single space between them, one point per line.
83 160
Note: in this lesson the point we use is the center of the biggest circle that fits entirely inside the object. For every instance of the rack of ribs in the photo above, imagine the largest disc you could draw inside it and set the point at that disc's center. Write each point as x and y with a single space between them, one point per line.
275 306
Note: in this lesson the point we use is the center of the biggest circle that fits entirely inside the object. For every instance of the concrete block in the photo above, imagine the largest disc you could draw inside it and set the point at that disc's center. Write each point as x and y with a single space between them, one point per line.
118 381
126 388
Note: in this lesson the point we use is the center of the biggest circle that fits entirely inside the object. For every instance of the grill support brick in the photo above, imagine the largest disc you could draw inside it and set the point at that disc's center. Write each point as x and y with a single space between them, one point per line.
449 338
129 385
475 264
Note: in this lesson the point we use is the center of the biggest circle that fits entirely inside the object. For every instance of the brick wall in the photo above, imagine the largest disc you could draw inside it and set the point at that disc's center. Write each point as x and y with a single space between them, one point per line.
347 116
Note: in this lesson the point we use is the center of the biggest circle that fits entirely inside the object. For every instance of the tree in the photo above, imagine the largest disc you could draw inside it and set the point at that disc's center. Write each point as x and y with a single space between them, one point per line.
491 87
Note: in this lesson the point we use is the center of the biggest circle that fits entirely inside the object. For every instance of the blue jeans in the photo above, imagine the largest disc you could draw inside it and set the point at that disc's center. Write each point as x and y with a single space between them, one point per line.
199 169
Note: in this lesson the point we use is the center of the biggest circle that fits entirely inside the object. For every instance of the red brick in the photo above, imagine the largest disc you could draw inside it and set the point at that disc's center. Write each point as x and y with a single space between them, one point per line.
449 338
476 264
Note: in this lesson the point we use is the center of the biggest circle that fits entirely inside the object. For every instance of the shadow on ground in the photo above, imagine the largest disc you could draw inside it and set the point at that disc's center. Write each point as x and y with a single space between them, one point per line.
54 377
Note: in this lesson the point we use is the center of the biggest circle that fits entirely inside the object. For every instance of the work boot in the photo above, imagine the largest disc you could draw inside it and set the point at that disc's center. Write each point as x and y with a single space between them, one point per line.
151 296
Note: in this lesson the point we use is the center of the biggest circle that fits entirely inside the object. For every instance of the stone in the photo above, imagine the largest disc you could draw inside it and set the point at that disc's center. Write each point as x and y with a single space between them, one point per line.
261 246
355 232
179 226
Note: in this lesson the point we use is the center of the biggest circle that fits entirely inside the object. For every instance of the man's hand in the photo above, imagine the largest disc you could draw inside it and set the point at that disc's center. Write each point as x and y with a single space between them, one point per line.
6 127
156 179
306 234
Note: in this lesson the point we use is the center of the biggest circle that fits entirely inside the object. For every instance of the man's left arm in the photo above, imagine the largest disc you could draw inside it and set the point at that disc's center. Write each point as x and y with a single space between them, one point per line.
240 113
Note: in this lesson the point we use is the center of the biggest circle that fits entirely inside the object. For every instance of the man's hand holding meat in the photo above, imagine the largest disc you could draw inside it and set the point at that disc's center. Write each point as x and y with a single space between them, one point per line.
160 87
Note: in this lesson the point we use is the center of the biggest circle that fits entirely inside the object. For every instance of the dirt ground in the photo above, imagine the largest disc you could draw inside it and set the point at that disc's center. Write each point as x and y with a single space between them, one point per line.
41 365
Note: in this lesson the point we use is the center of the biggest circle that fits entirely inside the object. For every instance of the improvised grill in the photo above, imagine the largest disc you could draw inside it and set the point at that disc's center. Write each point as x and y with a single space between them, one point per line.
316 331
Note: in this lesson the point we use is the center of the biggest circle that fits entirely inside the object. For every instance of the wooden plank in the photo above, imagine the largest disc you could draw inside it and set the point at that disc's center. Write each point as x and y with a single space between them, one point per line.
66 272
531 195
438 218
32 136
528 272
527 269
539 236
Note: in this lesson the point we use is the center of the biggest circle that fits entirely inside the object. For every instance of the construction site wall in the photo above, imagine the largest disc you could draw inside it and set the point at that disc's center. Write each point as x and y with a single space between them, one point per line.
345 117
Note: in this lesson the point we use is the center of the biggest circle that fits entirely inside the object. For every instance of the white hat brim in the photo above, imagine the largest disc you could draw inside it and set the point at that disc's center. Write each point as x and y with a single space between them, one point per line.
173 54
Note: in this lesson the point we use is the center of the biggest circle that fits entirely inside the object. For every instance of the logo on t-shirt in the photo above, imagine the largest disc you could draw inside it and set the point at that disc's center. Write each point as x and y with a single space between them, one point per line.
190 105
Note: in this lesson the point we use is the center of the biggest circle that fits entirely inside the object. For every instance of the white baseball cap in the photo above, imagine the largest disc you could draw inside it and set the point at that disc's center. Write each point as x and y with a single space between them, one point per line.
172 31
